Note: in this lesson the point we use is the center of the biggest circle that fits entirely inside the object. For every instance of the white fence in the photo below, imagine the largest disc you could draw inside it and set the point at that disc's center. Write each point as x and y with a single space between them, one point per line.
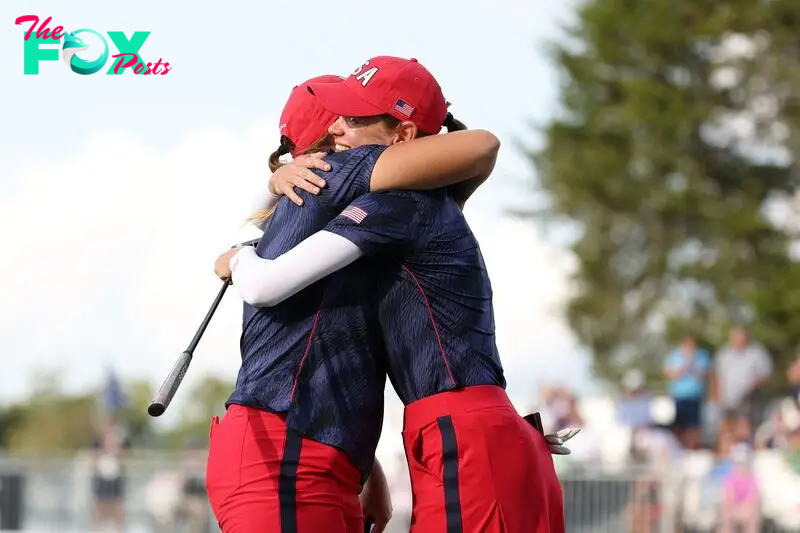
56 495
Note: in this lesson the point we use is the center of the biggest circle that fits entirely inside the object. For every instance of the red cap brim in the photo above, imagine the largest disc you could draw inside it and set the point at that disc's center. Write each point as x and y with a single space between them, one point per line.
341 100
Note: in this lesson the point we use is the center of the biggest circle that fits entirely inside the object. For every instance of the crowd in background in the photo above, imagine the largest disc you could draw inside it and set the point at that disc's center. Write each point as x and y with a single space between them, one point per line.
715 407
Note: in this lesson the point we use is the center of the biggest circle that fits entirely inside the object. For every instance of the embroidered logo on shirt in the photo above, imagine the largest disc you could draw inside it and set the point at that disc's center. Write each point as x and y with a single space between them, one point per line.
356 214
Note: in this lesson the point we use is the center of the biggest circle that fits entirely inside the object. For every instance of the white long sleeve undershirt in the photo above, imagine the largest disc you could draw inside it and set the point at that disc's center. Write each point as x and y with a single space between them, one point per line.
265 283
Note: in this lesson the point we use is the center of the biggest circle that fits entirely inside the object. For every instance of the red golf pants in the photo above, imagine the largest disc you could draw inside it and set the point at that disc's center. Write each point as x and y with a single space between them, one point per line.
477 466
262 476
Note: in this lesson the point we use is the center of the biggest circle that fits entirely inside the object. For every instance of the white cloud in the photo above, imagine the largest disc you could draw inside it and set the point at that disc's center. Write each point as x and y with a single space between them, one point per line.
112 254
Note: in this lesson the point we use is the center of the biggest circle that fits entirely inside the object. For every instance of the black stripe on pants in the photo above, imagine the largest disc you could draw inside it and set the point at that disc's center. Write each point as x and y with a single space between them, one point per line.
287 482
452 500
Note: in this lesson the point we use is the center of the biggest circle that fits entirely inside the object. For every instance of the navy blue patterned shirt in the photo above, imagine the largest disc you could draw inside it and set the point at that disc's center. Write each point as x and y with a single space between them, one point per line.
436 309
318 356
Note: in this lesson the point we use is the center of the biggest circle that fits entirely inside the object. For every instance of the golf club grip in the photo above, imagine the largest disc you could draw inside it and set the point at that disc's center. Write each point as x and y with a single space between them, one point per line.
368 525
167 391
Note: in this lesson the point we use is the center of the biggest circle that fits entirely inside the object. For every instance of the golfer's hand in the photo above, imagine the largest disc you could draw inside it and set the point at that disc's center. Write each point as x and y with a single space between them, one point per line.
556 440
298 174
222 266
376 503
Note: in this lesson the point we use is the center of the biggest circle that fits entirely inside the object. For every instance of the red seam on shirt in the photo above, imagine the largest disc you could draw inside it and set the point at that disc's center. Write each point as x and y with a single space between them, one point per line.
308 346
433 322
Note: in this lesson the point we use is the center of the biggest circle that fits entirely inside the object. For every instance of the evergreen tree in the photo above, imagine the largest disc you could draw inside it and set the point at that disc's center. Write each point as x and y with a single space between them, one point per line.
672 156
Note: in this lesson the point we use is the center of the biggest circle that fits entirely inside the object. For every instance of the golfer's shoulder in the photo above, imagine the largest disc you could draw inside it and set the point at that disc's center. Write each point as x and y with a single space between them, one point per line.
360 159
350 174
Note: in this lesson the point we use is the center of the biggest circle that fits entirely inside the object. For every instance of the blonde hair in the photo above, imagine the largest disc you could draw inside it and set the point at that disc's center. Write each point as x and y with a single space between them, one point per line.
286 147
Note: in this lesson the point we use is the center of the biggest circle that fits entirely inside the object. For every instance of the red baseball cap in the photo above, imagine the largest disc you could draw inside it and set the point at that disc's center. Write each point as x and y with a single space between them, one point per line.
399 87
304 120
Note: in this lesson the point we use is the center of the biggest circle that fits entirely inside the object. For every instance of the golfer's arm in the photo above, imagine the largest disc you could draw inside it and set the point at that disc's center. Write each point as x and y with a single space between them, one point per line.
463 190
265 283
466 158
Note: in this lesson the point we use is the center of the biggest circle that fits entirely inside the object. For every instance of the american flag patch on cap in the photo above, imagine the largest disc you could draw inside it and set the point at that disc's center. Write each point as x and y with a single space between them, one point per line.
403 108
356 214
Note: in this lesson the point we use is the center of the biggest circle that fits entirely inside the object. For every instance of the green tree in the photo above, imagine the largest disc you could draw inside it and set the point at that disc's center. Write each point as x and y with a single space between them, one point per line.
673 202
11 419
53 421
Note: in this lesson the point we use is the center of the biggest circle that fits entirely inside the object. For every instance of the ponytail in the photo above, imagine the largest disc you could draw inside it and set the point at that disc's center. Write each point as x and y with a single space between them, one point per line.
286 147
453 124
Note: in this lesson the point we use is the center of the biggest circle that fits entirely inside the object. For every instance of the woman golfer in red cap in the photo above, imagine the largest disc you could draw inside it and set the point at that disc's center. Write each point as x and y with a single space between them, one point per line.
298 439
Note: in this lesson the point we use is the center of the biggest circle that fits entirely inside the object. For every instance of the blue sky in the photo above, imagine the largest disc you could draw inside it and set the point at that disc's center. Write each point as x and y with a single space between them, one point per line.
117 192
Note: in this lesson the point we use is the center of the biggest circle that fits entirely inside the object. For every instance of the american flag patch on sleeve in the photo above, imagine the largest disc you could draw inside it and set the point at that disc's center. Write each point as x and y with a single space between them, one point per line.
356 214
403 108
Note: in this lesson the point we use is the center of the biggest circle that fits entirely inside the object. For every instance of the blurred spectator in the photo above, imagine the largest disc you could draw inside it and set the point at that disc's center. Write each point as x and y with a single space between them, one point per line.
162 497
723 449
586 447
555 403
655 446
108 480
741 369
652 445
633 411
741 498
774 432
793 377
644 507
175 499
687 369
792 422
560 410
